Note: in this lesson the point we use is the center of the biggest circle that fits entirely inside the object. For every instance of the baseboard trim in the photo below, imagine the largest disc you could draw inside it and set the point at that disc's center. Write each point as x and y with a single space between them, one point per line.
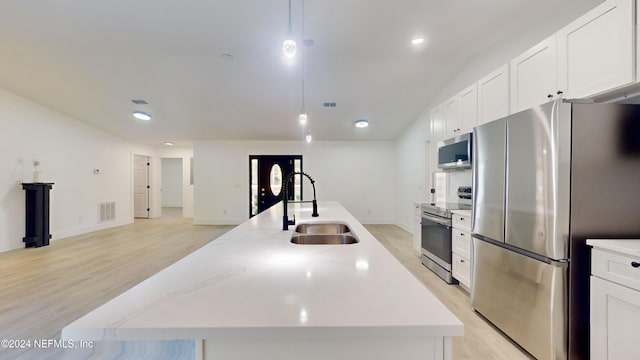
89 229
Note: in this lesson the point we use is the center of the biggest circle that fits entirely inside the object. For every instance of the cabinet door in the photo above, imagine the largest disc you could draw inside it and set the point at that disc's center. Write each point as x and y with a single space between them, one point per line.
615 321
468 108
451 118
437 134
438 127
493 95
534 76
595 52
461 269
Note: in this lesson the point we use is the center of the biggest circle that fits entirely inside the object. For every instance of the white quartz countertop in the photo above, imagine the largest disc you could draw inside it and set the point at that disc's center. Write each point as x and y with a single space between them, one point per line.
252 282
624 246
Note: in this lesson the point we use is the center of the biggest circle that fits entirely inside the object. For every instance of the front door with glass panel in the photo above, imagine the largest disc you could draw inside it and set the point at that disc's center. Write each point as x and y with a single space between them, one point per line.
266 175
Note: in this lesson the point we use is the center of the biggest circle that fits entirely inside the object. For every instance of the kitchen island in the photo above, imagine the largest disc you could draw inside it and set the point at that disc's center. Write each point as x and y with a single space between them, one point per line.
252 294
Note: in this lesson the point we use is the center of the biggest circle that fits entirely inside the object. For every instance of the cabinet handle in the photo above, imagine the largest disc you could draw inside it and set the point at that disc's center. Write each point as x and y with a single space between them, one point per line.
550 96
635 264
461 260
560 92
461 234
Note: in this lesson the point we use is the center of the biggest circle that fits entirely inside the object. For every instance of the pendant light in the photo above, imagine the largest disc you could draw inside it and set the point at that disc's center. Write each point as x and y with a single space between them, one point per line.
289 46
302 118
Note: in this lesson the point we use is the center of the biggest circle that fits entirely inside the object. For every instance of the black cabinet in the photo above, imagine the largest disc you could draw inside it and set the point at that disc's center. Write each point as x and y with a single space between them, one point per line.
37 214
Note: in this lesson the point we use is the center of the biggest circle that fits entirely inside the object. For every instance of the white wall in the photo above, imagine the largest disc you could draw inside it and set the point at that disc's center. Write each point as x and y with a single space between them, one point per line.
360 175
411 169
410 159
187 188
68 151
171 182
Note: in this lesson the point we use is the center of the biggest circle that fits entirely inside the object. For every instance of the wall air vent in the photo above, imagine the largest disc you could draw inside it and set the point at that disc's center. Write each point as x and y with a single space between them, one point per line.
329 104
107 211
139 102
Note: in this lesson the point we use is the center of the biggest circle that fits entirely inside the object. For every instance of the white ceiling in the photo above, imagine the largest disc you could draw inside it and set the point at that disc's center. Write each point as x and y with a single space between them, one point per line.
89 59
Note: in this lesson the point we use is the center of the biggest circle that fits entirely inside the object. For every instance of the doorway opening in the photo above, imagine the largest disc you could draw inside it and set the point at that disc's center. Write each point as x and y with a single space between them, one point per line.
172 187
141 186
266 180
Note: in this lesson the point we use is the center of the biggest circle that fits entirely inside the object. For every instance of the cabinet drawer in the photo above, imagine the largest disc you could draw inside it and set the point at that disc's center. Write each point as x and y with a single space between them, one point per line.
461 270
462 222
616 267
462 243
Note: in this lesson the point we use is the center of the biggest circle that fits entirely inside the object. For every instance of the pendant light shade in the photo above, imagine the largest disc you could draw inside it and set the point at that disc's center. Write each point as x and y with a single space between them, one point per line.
302 118
289 48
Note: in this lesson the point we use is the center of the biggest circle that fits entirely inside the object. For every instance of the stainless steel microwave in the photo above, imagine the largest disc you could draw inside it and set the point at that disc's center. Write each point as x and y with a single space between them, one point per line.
455 153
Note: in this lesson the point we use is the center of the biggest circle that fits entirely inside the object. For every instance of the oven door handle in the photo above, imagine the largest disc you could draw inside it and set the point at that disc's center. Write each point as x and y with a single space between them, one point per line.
441 221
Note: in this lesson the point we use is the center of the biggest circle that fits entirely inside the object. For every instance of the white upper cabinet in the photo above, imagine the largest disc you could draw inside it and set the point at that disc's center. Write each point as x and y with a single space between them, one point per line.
596 52
438 129
493 95
451 119
438 125
468 109
534 76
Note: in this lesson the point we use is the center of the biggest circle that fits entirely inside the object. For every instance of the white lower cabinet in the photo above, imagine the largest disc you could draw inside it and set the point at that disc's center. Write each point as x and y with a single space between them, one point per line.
461 248
615 304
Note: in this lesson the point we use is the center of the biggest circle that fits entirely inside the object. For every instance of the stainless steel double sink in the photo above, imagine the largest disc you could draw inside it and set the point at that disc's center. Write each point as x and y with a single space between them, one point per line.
323 234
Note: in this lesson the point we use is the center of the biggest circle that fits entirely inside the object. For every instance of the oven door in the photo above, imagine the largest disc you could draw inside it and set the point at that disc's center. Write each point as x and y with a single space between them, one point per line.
437 239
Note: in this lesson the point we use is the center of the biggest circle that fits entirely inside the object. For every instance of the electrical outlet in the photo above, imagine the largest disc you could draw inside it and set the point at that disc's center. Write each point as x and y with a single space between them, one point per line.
20 161
224 211
369 212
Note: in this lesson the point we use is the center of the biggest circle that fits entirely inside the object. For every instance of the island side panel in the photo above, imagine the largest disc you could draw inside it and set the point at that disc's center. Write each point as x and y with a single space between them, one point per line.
414 348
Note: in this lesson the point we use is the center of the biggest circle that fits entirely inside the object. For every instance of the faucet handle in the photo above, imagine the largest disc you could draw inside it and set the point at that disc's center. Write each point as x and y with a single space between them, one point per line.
292 222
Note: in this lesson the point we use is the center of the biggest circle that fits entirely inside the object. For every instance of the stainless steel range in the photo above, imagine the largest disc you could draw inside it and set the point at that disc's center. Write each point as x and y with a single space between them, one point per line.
436 233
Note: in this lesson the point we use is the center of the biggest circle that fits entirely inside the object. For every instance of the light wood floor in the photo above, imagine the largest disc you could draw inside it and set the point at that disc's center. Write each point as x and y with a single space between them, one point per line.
44 289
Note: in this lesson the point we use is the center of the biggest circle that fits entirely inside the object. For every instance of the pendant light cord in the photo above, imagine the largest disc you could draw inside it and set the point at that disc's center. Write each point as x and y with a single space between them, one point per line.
290 30
303 52
302 110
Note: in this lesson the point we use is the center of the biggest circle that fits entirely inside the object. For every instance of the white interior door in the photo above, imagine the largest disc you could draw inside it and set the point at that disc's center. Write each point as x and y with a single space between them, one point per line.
141 186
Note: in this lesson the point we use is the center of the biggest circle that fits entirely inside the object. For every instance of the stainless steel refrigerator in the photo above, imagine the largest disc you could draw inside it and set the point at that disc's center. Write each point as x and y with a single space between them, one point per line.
545 180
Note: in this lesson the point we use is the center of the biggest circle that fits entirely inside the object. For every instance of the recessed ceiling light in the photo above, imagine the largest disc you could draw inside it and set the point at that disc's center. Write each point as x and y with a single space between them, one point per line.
141 115
308 137
227 56
417 41
169 143
362 123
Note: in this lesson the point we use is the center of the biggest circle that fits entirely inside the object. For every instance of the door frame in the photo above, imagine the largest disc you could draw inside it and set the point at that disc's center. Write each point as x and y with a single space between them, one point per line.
257 157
